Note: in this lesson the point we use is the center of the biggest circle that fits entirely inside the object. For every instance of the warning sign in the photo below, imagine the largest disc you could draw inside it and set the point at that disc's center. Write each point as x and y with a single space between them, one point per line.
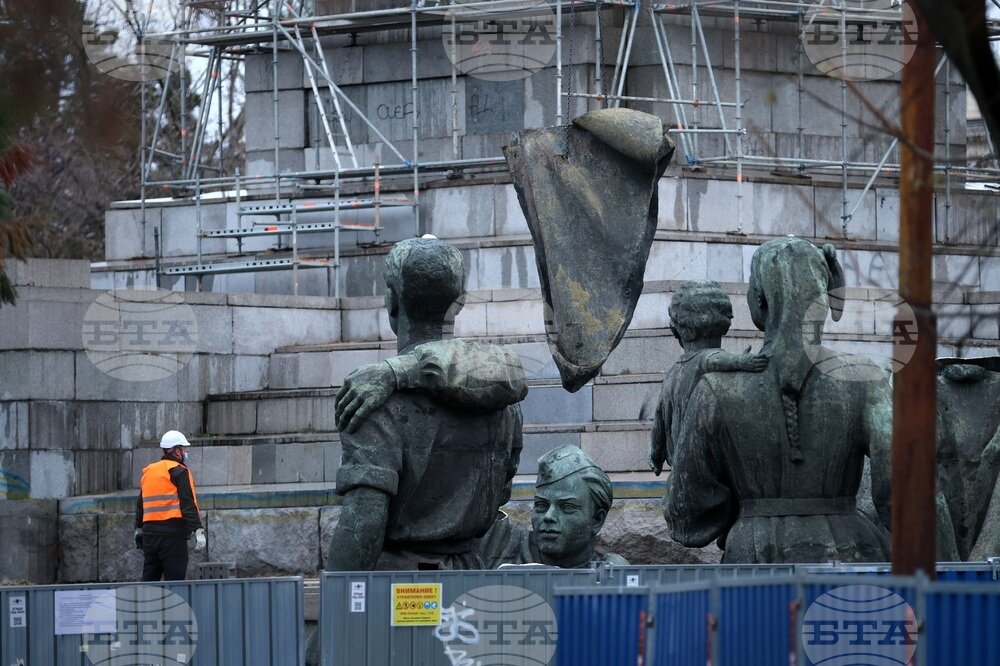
416 604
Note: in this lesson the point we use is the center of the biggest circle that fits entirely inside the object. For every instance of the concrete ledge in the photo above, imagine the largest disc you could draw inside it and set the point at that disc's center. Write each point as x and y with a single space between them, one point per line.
65 273
30 541
629 485
214 497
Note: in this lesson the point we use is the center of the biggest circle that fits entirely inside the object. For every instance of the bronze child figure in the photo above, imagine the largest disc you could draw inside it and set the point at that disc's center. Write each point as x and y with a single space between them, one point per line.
700 314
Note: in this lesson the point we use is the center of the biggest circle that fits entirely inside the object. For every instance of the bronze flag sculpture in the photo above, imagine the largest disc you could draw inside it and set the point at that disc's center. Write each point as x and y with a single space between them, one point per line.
588 191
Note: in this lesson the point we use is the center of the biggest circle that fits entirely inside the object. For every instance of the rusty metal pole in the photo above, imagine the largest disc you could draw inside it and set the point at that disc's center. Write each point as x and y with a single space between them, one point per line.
914 398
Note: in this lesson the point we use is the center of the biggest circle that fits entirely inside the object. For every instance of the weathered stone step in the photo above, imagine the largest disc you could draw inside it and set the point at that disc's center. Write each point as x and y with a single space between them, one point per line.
617 397
243 460
293 495
514 318
519 313
628 380
697 218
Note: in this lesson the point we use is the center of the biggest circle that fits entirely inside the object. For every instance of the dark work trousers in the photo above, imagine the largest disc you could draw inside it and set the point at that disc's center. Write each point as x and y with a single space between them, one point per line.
164 556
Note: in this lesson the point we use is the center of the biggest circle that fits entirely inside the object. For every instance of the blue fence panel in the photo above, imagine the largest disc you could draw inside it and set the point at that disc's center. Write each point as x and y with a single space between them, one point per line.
214 623
814 590
967 572
865 616
681 628
962 624
757 623
602 627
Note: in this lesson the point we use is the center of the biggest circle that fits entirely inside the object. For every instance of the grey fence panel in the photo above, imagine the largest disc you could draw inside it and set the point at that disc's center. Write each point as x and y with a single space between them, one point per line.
973 572
367 639
232 650
677 574
239 622
204 606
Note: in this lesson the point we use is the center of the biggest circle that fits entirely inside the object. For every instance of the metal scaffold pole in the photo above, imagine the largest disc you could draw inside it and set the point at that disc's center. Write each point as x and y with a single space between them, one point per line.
275 18
416 118
844 218
799 80
143 173
696 112
454 88
739 118
559 63
947 148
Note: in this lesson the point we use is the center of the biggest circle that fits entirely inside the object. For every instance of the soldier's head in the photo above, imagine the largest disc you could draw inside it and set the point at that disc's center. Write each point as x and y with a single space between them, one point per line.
572 499
425 280
700 311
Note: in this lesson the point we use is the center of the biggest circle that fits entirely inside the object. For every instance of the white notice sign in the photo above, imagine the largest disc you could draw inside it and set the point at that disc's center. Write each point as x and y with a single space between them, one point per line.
357 597
85 612
18 613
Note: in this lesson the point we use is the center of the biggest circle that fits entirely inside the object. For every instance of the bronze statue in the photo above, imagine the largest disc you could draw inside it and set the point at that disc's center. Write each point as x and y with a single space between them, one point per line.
968 455
422 478
589 193
770 463
700 314
572 499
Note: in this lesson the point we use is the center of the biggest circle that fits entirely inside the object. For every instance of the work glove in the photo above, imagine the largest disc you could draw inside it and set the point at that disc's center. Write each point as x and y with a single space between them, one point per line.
138 539
199 540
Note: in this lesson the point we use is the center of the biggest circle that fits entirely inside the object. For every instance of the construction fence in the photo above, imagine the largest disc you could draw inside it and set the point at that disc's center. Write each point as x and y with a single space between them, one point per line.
219 622
631 615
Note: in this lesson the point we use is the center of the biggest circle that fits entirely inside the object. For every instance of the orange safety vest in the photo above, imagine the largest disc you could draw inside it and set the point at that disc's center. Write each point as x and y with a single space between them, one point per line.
160 500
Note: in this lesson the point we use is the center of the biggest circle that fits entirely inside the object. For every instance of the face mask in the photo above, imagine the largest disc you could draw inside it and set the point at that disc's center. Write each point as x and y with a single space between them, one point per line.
184 456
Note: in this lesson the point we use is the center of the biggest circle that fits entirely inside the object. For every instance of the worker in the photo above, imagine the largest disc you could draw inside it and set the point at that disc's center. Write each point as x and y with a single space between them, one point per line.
166 513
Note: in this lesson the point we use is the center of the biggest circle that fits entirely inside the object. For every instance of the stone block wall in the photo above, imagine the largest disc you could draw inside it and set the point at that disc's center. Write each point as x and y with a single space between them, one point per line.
271 532
698 220
71 425
374 71
30 541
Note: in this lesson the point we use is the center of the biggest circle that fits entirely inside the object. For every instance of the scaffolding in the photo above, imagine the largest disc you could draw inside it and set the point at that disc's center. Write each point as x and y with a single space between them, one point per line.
698 106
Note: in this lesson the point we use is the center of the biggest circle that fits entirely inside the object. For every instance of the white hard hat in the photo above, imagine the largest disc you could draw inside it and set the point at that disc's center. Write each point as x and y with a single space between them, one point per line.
172 438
